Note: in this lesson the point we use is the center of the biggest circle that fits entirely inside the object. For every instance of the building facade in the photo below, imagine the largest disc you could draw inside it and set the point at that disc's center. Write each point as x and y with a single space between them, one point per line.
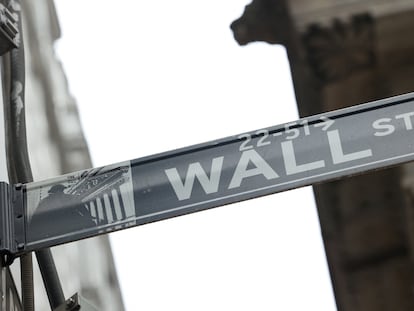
57 146
344 53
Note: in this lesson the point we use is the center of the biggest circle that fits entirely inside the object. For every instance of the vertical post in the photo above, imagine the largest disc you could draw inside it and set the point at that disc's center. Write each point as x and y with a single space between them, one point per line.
19 166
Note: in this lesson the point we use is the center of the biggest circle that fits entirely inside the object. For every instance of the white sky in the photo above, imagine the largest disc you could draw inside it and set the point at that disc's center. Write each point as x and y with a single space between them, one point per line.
151 76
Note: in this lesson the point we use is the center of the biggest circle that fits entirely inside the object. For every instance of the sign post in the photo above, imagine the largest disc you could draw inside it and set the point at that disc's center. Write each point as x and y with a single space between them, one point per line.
311 150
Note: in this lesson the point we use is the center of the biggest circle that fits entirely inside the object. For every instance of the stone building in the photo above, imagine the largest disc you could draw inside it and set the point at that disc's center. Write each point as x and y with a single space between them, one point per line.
344 53
56 146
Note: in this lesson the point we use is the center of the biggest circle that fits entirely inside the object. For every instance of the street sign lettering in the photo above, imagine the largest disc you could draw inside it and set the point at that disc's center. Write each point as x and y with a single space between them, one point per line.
210 184
259 166
311 150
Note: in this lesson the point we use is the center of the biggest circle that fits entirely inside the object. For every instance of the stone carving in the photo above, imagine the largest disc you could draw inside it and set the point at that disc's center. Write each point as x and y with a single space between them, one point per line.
263 20
270 21
335 52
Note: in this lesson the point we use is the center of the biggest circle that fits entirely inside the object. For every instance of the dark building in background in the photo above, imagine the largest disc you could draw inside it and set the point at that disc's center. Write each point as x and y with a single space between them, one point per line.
344 53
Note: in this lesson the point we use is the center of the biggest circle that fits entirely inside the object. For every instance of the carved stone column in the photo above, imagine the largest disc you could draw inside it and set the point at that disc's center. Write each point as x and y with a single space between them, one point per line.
348 59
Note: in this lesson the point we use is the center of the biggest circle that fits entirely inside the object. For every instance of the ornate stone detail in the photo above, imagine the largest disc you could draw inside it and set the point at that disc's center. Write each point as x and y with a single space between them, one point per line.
263 20
335 52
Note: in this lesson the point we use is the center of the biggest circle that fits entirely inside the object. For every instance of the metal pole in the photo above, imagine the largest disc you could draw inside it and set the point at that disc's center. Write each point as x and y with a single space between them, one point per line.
20 170
16 148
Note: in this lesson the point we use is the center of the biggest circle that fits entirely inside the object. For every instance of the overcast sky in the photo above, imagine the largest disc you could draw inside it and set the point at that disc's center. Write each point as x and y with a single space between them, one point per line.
151 76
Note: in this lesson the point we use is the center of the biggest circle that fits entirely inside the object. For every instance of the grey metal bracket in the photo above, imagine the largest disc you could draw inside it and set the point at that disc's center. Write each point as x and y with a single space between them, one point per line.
9 31
75 303
12 221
